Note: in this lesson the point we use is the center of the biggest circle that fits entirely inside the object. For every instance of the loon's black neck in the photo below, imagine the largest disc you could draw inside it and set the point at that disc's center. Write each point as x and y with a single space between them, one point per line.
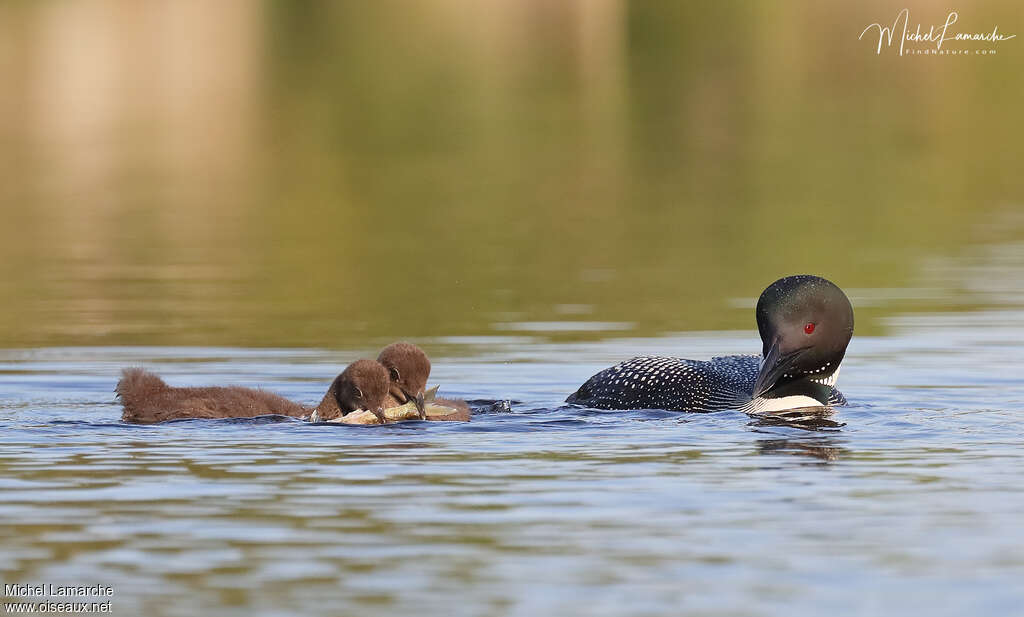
801 387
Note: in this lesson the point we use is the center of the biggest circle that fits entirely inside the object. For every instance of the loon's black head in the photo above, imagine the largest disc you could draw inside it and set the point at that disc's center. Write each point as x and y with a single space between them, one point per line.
806 322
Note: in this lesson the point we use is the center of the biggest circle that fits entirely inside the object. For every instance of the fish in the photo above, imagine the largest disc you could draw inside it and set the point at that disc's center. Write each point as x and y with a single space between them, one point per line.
401 413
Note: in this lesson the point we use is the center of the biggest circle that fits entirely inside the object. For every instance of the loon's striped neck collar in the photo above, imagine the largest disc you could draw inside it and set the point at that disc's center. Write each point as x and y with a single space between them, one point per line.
799 394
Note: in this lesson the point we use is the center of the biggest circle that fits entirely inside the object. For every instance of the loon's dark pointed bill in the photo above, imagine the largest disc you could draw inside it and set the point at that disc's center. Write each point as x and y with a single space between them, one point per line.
421 405
399 393
775 366
404 396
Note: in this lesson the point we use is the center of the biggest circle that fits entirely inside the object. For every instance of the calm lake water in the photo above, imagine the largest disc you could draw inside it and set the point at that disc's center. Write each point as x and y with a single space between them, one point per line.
909 504
258 193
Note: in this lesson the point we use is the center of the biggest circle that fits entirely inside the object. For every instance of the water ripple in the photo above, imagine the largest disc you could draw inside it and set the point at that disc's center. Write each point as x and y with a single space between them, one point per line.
535 507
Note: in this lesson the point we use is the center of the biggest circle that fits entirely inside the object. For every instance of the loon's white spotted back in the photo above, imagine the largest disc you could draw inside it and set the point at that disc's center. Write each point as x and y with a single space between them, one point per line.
677 384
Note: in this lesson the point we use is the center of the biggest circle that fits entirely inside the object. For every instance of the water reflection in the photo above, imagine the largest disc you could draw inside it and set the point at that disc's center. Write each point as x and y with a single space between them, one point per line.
811 419
296 174
824 449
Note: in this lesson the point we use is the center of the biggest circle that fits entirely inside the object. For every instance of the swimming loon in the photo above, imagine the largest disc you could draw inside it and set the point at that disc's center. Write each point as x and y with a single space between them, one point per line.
148 399
805 323
409 369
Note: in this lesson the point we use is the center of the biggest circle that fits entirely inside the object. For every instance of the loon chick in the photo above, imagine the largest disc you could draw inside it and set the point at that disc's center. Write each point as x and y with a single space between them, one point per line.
147 398
409 369
805 323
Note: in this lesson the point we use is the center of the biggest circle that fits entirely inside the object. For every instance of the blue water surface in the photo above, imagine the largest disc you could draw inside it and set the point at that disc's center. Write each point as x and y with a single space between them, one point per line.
907 501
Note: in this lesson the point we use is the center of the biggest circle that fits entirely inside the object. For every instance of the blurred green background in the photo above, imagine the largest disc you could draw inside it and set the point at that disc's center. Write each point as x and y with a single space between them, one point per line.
334 174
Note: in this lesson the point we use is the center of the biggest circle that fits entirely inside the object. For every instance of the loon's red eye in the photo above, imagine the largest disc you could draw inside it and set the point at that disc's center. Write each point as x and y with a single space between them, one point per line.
809 328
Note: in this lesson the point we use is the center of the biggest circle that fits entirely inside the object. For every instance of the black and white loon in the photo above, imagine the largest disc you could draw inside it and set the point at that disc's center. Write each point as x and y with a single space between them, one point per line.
805 322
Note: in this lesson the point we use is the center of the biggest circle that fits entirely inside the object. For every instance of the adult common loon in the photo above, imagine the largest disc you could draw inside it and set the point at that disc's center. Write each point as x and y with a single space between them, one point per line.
805 323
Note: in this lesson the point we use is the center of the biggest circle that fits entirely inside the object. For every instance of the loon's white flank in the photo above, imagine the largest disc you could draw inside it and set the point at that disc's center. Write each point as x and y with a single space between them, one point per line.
762 404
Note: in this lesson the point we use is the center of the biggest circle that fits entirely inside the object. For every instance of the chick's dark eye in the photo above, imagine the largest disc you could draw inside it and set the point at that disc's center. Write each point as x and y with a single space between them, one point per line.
359 393
809 328
394 375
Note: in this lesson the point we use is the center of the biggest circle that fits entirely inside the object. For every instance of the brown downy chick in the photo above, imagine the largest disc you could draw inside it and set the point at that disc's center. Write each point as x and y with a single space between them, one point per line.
408 370
148 399
363 385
